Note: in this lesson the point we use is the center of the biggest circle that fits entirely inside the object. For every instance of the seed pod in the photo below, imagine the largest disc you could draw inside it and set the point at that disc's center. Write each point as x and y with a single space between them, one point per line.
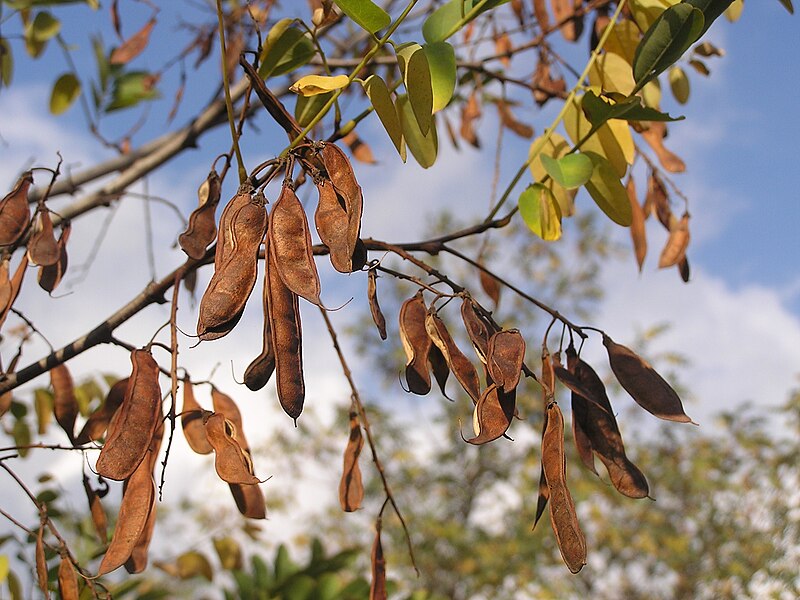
416 344
41 562
563 518
677 242
683 269
638 233
657 201
98 421
491 286
477 328
15 286
137 501
241 232
374 307
260 370
50 276
65 406
377 588
231 462
99 519
224 405
137 419
644 384
43 249
340 172
351 489
192 421
287 340
547 381
15 215
67 580
202 228
290 246
332 224
249 500
493 414
506 352
459 364
439 368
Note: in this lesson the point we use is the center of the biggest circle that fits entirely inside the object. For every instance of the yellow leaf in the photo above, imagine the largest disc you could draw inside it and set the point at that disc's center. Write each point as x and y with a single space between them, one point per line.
613 74
612 141
539 209
623 40
311 85
556 147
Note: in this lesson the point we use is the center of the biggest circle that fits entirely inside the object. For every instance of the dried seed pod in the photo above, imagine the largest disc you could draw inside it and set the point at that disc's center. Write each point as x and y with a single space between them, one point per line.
332 223
439 368
506 353
99 519
291 248
50 276
416 344
459 364
43 249
477 329
260 370
638 233
67 580
287 340
136 420
547 381
377 588
683 269
677 242
657 201
340 172
41 562
15 215
351 489
192 421
563 518
15 286
65 406
98 421
644 384
493 414
374 307
224 405
249 500
5 280
231 462
202 228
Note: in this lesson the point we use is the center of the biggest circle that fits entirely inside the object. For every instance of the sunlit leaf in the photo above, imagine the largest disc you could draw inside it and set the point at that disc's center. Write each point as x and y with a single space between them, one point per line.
3 568
556 147
44 27
571 171
613 140
417 78
675 30
712 9
679 84
439 26
286 48
442 64
612 73
734 11
607 191
365 14
65 91
423 147
312 85
132 88
192 564
378 94
539 209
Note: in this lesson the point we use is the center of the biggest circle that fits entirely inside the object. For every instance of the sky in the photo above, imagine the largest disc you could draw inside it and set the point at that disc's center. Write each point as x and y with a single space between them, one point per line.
737 321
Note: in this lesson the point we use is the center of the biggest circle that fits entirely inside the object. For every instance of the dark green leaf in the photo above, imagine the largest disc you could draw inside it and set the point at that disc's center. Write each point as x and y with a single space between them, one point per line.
287 47
365 13
44 27
598 110
65 91
672 33
570 171
712 9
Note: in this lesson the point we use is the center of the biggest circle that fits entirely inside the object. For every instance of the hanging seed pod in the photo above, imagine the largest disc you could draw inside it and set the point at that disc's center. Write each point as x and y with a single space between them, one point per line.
477 329
202 228
15 286
67 580
332 223
374 307
439 368
548 382
506 353
377 588
192 421
657 200
683 269
644 384
231 462
459 364
43 248
493 414
41 562
137 419
351 489
677 242
50 276
291 248
340 172
65 406
15 215
260 370
98 421
416 344
249 500
224 405
99 519
638 232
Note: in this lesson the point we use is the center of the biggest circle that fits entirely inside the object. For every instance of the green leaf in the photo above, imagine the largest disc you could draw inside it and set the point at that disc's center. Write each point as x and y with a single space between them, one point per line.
378 94
365 14
65 91
14 586
192 564
539 209
441 23
607 191
22 436
442 64
672 33
44 27
423 147
598 110
417 78
286 48
6 62
571 171
679 84
130 89
43 405
307 107
787 4
555 146
284 565
712 9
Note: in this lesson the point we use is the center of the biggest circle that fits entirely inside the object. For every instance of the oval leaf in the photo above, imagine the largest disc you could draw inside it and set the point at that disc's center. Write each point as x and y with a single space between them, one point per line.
442 64
672 33
423 147
365 13
539 210
378 94
417 78
571 171
65 91
607 191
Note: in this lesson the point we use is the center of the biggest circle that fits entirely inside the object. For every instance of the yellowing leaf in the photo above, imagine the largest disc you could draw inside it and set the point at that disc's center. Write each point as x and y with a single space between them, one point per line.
613 140
612 73
607 191
734 11
311 85
555 147
423 147
191 564
417 78
623 40
651 94
378 94
65 91
571 171
442 63
679 84
539 209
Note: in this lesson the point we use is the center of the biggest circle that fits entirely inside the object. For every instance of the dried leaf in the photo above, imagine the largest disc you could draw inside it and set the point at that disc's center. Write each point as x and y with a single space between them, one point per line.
675 249
566 9
654 136
99 519
351 489
491 286
470 112
359 148
133 46
638 234
503 48
508 120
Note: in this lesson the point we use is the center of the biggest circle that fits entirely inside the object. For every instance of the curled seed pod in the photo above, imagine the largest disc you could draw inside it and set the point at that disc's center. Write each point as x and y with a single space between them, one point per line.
15 286
260 370
351 489
241 232
377 588
231 462
50 276
493 414
43 248
249 500
374 307
644 384
224 405
416 344
340 172
332 223
67 580
65 406
41 562
137 501
99 519
202 228
98 421
192 421
459 364
504 360
15 215
477 329
136 420
563 518
290 246
439 368
677 242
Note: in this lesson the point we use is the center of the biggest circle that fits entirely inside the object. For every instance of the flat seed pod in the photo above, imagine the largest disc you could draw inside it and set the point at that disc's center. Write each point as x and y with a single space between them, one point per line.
99 519
477 329
416 344
287 341
225 405
50 276
137 561
332 223
202 228
563 518
231 461
439 368
340 172
98 421
374 307
192 421
16 285
291 248
506 353
547 381
137 419
493 414
43 248
377 588
683 269
644 384
41 562
15 215
459 364
677 242
638 232
249 500
351 489
67 580
65 406
260 370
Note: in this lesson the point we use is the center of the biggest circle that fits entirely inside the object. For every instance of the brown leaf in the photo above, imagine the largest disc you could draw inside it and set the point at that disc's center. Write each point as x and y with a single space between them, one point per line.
231 461
459 364
491 286
572 28
540 12
99 519
508 120
416 344
374 307
675 249
67 580
351 489
544 86
43 248
377 588
15 215
65 406
359 148
654 136
192 421
470 112
503 47
638 234
657 201
202 228
133 46
50 276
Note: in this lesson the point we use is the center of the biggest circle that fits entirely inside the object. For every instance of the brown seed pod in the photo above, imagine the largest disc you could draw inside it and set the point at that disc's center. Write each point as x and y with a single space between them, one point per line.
43 248
260 370
98 421
231 461
41 562
374 307
563 518
477 329
224 405
340 172
287 340
136 420
290 246
377 588
202 228
439 368
416 344
547 381
459 364
67 580
332 223
506 352
493 414
65 406
675 249
249 500
50 276
15 215
192 421
15 286
99 519
351 489
644 384
683 269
